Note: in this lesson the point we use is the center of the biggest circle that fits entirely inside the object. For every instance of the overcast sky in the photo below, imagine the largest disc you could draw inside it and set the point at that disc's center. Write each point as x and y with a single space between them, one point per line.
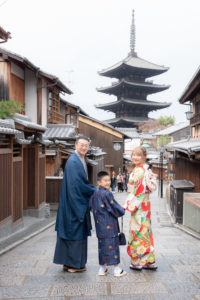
74 39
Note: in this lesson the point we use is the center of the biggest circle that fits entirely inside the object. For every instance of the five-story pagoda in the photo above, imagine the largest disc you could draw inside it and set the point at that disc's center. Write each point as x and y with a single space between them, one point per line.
132 88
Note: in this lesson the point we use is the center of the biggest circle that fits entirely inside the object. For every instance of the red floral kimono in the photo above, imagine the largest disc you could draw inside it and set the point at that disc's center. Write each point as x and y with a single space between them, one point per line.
140 247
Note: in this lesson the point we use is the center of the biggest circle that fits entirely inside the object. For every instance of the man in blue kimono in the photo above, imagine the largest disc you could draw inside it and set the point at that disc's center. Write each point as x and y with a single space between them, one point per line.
73 224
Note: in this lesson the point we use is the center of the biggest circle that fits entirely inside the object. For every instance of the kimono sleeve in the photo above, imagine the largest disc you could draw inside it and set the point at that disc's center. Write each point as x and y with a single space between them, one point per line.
79 190
135 198
114 208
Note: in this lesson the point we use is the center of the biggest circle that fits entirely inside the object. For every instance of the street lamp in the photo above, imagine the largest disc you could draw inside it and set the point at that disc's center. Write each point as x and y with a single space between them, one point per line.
189 114
162 149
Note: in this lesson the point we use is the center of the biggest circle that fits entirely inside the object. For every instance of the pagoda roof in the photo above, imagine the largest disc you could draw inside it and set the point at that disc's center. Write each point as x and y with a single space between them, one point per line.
131 102
148 86
134 65
126 121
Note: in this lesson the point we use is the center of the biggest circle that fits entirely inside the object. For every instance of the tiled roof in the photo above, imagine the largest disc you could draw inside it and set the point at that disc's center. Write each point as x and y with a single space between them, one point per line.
8 127
27 122
104 123
78 108
60 131
130 132
136 102
172 129
96 151
186 146
121 82
31 66
135 62
127 119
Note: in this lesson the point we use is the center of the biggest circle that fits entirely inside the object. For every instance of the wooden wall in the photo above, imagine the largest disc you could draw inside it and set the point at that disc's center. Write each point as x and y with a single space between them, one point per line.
17 89
4 80
189 170
53 186
105 141
5 184
12 87
22 179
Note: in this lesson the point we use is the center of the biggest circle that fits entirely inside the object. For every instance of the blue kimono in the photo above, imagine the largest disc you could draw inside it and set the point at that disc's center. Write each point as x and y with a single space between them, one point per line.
73 223
106 212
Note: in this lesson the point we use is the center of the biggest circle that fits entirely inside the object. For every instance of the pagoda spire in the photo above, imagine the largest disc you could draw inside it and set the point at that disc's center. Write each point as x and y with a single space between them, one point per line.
132 36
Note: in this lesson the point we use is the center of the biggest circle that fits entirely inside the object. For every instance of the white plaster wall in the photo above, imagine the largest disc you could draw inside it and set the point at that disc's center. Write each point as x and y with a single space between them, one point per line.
17 71
44 104
31 95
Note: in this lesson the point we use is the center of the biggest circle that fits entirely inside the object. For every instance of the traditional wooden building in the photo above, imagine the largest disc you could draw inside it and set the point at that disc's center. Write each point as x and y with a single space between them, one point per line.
172 133
132 88
185 158
106 137
22 144
36 90
22 172
102 135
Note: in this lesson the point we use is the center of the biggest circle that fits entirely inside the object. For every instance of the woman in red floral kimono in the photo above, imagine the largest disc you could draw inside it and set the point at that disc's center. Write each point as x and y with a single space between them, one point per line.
140 247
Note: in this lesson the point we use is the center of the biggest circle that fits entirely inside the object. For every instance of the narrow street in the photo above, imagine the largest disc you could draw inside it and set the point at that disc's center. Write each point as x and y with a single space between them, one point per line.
27 272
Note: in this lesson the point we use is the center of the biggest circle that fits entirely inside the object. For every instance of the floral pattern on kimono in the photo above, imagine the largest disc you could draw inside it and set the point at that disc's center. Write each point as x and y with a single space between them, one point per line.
140 247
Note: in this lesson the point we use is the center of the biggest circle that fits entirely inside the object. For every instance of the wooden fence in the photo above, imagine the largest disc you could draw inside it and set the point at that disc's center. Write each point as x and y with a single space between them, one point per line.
5 183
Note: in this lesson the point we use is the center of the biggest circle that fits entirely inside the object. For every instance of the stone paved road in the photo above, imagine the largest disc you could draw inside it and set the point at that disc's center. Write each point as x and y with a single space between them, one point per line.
27 272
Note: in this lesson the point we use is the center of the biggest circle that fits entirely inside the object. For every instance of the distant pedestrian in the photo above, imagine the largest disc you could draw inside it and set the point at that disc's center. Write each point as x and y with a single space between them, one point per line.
73 222
141 245
126 178
120 183
61 172
106 212
113 182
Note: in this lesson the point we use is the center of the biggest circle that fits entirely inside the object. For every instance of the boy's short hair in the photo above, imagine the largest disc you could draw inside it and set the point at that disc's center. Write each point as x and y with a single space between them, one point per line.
101 174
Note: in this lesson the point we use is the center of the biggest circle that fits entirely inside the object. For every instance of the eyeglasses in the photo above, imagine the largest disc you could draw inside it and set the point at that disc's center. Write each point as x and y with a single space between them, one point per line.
83 145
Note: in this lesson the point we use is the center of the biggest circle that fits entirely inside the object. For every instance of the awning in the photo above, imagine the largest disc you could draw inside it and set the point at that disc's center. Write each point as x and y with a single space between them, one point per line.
91 162
7 126
27 122
60 132
63 143
96 151
189 147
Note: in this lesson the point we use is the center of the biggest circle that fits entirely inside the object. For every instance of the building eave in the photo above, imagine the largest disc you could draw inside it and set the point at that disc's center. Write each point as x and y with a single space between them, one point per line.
78 108
153 87
191 88
189 146
103 123
126 120
136 64
29 65
143 103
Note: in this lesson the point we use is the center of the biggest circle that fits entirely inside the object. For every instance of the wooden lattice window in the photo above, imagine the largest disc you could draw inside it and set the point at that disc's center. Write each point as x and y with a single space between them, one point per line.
197 107
53 101
17 150
5 141
41 149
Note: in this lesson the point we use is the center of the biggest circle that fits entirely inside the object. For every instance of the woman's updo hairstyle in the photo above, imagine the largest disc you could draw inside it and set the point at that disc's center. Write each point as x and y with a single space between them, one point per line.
140 150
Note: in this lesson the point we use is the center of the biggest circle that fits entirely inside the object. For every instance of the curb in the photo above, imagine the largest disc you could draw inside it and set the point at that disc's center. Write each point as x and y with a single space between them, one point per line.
182 227
187 230
26 238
